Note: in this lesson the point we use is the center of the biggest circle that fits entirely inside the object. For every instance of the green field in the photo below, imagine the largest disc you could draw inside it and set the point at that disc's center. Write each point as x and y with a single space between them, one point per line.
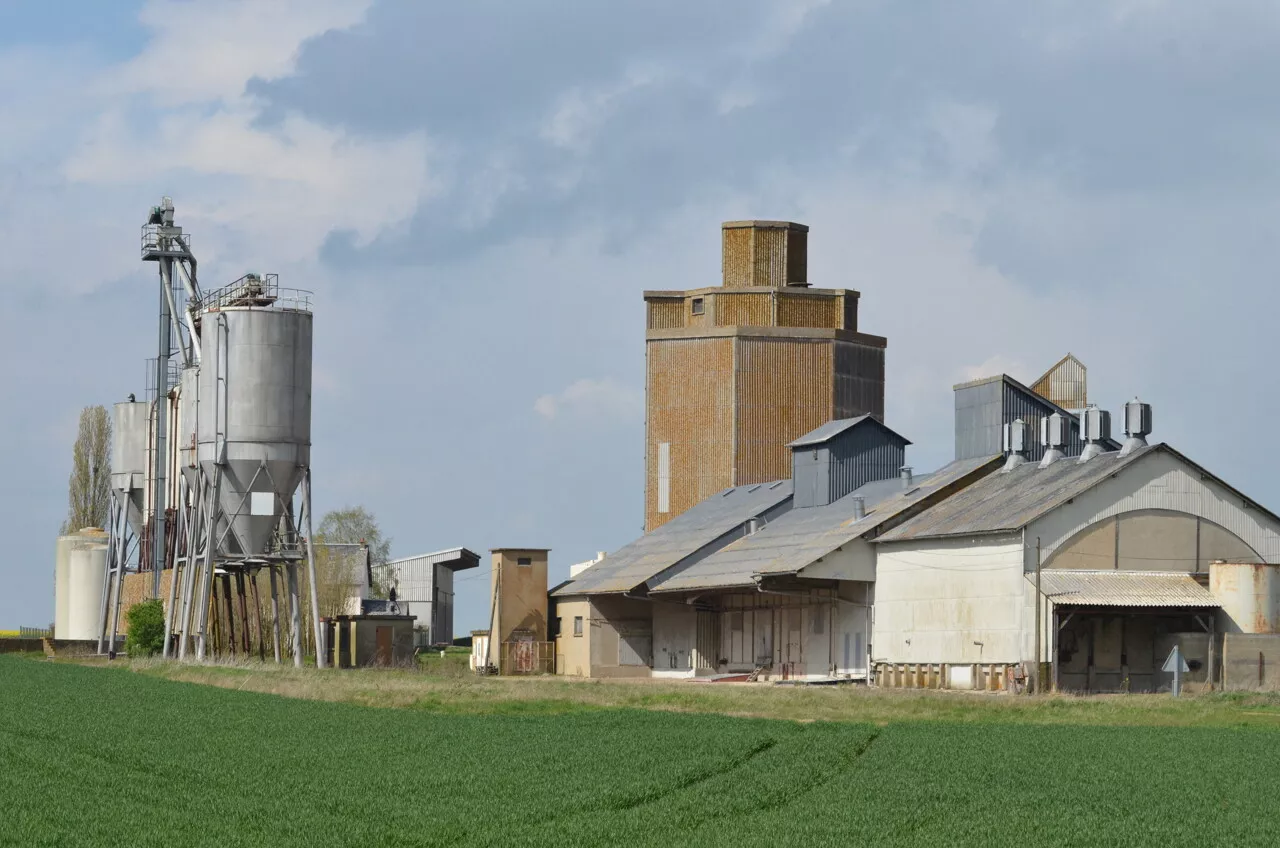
104 757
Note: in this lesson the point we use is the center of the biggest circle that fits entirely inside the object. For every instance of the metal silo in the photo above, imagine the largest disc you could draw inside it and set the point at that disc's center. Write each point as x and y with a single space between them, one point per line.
129 459
86 573
254 427
185 427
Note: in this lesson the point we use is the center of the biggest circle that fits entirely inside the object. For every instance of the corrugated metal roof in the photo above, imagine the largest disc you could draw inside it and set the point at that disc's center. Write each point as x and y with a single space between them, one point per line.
1124 589
802 536
832 429
682 536
1005 502
463 558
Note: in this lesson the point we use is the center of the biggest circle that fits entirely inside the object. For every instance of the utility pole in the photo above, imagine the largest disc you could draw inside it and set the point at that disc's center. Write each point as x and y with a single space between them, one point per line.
1036 677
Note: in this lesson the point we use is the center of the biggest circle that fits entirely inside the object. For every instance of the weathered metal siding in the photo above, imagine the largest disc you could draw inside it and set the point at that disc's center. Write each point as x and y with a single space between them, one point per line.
784 390
736 263
803 310
744 309
983 409
859 380
666 313
769 257
861 455
1066 384
690 407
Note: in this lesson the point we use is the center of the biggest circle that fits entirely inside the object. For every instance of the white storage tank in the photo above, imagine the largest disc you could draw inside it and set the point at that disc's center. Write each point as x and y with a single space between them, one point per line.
65 577
1250 596
86 575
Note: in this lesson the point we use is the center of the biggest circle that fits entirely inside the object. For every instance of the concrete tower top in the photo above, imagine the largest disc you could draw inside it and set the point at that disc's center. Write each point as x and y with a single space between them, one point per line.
773 254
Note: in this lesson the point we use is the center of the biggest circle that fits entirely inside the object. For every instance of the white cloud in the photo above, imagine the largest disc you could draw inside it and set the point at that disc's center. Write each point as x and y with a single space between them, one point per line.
592 399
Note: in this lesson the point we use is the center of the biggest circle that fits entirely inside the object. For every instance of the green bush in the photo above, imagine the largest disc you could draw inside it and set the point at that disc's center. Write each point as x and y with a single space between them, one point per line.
146 628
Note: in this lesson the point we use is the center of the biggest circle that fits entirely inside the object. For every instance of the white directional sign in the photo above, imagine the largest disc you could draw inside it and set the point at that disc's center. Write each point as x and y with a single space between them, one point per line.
1176 662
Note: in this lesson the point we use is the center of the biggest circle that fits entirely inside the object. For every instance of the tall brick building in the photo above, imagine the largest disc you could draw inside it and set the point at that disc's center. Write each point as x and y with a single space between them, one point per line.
735 372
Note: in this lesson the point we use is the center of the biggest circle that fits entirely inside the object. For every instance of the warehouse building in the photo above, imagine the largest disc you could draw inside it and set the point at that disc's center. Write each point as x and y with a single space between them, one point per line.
849 571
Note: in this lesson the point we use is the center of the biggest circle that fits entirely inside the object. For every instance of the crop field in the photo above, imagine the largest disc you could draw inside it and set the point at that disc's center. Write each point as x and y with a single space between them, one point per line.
104 757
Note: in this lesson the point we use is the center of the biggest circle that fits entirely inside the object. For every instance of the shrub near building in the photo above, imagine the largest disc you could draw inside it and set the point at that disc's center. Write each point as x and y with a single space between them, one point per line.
146 628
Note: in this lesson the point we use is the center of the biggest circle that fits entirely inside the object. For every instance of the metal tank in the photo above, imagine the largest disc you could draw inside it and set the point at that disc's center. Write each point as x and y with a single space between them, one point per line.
184 428
1250 596
254 421
129 458
86 575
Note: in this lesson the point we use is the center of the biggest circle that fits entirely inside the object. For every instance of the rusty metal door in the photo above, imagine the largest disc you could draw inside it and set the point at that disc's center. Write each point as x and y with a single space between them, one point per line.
384 646
524 657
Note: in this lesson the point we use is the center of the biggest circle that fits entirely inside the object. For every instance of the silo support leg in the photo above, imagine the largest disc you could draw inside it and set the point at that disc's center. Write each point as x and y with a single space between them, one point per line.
275 614
295 611
311 571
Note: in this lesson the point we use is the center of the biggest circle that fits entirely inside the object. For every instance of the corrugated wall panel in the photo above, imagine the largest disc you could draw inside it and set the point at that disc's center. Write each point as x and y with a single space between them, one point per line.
666 314
1066 384
737 257
784 390
849 305
864 454
983 410
690 407
769 254
744 309
795 310
859 380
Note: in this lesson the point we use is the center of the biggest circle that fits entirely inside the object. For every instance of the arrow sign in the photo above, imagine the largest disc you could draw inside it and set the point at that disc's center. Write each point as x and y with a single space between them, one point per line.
1178 666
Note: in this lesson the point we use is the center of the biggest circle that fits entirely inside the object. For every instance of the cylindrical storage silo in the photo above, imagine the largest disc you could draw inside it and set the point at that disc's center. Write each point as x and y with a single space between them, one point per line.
254 421
184 427
64 579
1250 596
129 458
86 576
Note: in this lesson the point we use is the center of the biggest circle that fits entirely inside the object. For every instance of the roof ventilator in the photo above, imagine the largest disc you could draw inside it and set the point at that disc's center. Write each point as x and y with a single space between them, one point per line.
1053 435
1095 425
1137 426
1015 444
753 526
906 476
859 508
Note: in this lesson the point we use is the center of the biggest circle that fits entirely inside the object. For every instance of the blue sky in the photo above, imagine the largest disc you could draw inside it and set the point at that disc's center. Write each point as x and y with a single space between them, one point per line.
479 192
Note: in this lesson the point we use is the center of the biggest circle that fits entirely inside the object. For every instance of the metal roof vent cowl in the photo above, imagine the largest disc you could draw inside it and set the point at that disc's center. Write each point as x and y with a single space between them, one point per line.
1015 444
859 508
906 476
1137 426
1053 435
1095 427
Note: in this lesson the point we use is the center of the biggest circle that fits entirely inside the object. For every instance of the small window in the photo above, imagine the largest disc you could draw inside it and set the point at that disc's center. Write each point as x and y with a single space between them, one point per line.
524 560
577 625
698 306
735 622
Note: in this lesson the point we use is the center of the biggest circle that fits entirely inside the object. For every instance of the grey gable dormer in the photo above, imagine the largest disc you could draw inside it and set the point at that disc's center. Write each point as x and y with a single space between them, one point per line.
838 457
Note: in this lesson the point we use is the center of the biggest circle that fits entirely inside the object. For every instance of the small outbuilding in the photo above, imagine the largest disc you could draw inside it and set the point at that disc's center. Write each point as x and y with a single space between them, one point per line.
356 641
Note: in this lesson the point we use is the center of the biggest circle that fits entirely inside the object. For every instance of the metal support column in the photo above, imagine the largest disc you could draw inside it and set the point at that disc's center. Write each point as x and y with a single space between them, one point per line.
160 457
275 613
311 570
295 611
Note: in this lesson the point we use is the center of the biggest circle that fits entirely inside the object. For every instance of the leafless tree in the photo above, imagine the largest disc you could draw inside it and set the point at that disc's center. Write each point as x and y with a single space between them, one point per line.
89 488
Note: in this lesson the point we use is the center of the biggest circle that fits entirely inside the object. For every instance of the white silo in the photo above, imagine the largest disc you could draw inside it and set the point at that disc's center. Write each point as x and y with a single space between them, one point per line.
86 577
67 560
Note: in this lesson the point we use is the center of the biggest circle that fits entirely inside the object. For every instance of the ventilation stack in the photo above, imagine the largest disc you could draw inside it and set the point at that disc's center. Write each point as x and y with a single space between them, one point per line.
1053 434
1095 428
1137 426
1015 444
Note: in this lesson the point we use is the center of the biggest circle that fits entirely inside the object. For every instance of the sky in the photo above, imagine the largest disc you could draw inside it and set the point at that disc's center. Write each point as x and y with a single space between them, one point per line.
478 193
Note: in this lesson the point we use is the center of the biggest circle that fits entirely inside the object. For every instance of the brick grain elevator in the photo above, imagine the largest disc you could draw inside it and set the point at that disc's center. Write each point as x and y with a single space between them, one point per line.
735 372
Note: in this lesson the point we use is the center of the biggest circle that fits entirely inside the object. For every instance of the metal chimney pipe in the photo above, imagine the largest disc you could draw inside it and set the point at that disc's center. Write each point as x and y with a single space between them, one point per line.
906 476
859 508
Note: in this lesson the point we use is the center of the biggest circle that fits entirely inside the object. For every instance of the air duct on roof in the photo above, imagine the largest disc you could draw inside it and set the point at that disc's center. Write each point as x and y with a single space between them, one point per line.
1015 444
859 508
1095 427
906 476
1053 435
1137 426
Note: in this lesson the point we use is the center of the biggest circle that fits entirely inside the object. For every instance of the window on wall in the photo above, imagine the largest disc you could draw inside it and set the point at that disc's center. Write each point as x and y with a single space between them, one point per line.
577 625
664 477
819 617
524 560
699 307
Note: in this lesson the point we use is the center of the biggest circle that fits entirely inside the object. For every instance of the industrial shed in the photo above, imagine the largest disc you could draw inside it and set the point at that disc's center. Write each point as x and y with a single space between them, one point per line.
1124 543
424 589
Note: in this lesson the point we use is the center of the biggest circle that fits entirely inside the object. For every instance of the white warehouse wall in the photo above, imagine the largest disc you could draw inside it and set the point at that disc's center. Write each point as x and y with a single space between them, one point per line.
936 598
